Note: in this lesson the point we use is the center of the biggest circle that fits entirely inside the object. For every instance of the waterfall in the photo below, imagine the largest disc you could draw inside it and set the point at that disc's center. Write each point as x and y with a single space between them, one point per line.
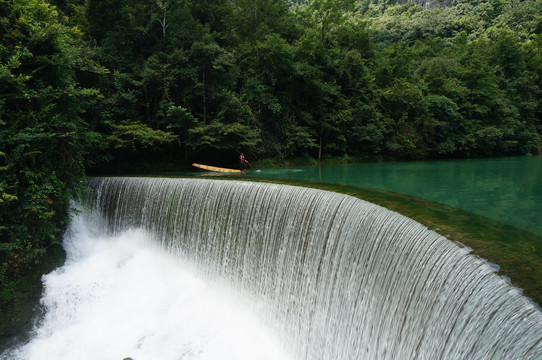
337 277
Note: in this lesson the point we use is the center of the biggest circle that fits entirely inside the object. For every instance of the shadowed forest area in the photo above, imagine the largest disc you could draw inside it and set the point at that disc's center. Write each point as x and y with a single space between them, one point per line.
89 85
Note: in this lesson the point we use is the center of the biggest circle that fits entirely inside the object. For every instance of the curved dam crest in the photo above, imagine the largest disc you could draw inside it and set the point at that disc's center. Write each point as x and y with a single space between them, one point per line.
335 276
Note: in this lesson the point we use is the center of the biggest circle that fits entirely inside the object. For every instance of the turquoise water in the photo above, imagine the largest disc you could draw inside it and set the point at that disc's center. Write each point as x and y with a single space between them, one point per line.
508 189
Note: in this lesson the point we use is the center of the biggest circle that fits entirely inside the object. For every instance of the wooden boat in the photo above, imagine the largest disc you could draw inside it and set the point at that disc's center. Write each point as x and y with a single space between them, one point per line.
214 168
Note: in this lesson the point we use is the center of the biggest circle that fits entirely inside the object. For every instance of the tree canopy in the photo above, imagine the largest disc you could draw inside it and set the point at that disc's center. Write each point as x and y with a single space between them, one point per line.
86 85
313 78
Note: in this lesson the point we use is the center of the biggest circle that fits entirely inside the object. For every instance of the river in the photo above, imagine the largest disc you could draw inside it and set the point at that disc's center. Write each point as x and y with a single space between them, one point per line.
201 269
506 189
194 269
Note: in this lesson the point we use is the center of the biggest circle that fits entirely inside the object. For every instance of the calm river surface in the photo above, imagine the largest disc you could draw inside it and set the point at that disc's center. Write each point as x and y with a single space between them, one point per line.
504 189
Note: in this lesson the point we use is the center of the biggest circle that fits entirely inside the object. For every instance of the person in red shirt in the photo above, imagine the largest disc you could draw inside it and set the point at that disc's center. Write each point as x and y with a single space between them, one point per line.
244 163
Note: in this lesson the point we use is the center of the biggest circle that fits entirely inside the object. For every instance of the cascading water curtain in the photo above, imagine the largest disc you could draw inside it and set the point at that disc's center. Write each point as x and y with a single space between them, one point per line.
337 277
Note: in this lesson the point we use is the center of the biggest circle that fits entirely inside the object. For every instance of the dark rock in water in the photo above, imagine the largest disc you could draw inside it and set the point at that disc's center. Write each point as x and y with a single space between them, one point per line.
128 358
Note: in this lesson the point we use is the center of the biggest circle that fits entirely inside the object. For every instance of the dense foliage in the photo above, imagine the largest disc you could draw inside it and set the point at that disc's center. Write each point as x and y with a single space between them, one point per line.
86 83
281 79
319 78
43 138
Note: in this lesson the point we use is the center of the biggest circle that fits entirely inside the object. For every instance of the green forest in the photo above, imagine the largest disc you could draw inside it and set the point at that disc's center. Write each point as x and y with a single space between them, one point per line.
89 86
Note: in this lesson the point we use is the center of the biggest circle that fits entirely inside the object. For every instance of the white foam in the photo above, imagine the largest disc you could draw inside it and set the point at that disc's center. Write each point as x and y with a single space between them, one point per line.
119 297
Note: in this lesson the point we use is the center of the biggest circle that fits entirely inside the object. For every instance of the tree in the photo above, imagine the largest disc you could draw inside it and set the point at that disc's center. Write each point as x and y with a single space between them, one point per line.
43 135
216 71
324 15
220 136
253 20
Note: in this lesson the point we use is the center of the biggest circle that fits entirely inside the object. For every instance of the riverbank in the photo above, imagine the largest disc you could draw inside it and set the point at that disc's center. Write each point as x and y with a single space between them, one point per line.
127 167
309 161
